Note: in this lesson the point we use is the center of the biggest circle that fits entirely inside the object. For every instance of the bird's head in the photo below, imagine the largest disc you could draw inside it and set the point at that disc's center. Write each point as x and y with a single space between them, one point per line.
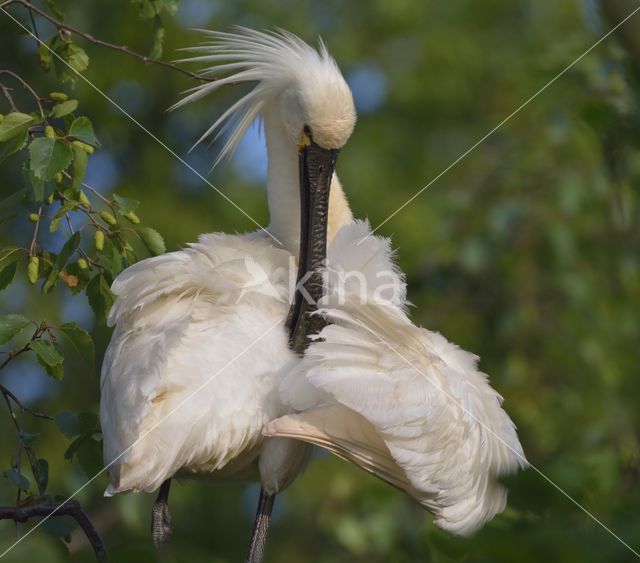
303 84
318 105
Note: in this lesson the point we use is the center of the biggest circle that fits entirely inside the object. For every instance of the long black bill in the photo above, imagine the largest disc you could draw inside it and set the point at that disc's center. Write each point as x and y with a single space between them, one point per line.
316 166
316 170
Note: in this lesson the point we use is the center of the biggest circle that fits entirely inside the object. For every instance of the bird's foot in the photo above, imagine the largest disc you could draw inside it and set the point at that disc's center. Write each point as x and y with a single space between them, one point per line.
161 527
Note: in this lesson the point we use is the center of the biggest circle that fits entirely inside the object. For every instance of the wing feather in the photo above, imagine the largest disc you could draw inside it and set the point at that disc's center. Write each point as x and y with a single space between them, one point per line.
179 320
422 397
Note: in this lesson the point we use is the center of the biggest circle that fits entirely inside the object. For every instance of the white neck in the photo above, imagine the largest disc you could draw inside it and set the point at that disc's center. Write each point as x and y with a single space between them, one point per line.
283 187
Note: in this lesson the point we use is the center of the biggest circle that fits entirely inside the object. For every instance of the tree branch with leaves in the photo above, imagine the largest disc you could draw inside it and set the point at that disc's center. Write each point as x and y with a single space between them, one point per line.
147 10
102 234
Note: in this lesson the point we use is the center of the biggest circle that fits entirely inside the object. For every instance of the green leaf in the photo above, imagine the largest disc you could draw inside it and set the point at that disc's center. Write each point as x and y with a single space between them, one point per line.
87 449
158 38
80 159
42 477
171 6
67 423
152 240
51 4
55 372
59 527
9 254
73 448
47 352
14 124
44 56
90 456
80 340
38 187
8 203
28 438
116 261
64 108
147 9
68 250
18 479
36 190
82 129
88 423
64 209
15 199
75 56
100 297
48 157
7 274
10 325
125 204
15 144
50 282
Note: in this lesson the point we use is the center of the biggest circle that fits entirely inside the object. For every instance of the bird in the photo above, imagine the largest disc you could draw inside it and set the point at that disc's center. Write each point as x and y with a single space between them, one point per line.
345 368
200 340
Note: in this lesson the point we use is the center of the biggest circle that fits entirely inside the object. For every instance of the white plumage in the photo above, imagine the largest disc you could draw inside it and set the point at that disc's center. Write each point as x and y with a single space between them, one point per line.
178 324
399 401
187 317
395 399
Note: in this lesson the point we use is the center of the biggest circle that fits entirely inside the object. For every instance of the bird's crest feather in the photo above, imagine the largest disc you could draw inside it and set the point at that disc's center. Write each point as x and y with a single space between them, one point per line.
273 60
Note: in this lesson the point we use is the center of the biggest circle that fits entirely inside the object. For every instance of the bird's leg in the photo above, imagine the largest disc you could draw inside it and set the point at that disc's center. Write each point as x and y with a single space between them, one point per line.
260 527
161 528
316 166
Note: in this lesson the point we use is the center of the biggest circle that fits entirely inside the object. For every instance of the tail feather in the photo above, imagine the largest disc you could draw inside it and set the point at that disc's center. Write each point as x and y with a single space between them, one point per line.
345 434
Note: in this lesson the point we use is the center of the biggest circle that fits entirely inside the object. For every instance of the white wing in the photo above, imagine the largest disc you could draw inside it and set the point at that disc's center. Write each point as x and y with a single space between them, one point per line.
181 320
427 419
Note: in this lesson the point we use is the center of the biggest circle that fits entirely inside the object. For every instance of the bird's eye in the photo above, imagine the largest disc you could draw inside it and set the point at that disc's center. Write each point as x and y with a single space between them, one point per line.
307 131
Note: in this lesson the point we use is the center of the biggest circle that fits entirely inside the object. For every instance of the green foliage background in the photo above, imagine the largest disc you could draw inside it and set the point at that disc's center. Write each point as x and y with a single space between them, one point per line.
526 252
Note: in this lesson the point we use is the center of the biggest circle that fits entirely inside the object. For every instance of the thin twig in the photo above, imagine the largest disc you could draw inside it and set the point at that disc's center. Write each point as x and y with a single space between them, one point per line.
14 353
97 193
12 413
33 462
68 220
96 41
87 212
34 240
9 394
69 508
6 92
25 86
88 187
35 29
18 461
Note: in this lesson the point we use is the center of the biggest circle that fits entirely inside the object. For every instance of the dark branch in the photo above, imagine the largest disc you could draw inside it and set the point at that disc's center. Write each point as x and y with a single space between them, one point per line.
45 509
26 86
35 29
122 48
14 353
22 406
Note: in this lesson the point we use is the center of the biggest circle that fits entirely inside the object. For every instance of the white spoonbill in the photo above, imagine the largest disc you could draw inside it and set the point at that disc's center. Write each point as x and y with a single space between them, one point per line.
392 398
395 399
194 333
